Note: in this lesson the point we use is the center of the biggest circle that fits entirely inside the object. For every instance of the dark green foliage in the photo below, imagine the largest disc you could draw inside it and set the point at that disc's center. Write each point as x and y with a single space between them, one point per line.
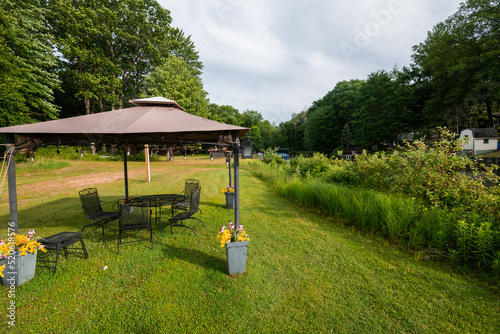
320 133
382 110
459 62
250 118
328 116
224 114
27 79
109 47
173 79
291 134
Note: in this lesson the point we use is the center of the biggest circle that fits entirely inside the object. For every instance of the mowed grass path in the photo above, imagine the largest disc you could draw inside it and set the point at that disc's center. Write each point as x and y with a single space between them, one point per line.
305 273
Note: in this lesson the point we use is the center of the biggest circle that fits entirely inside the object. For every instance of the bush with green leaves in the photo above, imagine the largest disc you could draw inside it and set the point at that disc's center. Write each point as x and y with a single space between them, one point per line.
314 166
428 198
272 157
438 174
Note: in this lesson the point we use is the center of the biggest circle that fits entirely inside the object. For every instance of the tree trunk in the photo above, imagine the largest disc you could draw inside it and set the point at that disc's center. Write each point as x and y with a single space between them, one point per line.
87 105
102 103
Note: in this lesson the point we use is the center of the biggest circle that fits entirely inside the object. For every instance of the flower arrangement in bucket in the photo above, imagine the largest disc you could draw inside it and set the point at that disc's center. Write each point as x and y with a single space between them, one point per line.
229 192
15 251
227 189
236 241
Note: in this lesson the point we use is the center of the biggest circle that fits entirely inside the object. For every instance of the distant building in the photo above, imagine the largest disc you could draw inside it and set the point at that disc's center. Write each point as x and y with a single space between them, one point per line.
481 141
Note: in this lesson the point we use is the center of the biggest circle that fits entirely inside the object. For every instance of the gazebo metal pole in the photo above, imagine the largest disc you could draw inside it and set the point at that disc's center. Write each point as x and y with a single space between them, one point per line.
236 182
126 173
11 175
230 176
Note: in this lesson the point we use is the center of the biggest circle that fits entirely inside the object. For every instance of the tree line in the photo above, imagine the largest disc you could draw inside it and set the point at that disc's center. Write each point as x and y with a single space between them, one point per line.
62 58
453 81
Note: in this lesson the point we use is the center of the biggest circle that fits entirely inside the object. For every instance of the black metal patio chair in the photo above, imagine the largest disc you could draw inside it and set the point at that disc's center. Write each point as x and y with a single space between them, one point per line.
194 207
189 185
134 218
92 209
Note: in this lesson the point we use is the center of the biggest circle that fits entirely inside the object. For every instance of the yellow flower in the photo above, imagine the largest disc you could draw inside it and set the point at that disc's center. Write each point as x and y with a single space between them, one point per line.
231 235
227 189
1 270
23 243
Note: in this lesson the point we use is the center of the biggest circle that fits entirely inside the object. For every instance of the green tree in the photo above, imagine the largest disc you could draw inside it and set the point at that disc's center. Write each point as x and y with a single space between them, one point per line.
320 133
82 31
27 79
224 114
174 80
459 61
346 138
256 138
183 48
269 134
109 46
327 117
250 118
293 132
383 110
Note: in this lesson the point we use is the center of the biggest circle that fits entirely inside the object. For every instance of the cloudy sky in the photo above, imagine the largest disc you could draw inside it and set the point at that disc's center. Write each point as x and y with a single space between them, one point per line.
277 56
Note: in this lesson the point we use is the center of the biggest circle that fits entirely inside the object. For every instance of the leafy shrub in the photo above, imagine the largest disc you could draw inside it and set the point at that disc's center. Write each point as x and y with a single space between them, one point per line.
314 166
436 174
271 157
465 237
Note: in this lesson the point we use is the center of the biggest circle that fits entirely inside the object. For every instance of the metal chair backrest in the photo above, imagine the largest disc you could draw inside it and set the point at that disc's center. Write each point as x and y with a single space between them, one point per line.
90 202
134 215
194 202
189 185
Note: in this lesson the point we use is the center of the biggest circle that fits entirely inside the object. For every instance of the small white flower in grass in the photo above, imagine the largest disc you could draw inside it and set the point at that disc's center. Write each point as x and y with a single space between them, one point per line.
105 267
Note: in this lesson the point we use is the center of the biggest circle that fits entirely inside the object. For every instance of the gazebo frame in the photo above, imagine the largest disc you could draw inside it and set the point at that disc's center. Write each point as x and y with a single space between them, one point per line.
153 121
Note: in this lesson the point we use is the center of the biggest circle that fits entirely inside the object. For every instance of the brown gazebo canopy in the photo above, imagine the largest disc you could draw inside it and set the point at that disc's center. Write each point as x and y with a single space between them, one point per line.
153 121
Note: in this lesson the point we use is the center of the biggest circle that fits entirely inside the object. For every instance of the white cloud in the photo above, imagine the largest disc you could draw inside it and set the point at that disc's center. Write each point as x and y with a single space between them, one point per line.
278 57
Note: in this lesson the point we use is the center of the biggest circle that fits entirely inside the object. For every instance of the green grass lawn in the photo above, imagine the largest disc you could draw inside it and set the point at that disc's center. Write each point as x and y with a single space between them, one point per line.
305 273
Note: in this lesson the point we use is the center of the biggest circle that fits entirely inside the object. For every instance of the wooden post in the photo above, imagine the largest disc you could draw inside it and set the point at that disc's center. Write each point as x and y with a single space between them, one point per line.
148 169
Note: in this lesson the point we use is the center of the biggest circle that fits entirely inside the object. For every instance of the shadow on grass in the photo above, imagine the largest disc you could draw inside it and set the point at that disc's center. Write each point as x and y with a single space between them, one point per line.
62 214
215 205
196 257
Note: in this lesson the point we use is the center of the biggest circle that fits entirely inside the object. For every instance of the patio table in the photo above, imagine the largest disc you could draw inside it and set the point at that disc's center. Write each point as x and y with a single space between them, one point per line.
158 201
